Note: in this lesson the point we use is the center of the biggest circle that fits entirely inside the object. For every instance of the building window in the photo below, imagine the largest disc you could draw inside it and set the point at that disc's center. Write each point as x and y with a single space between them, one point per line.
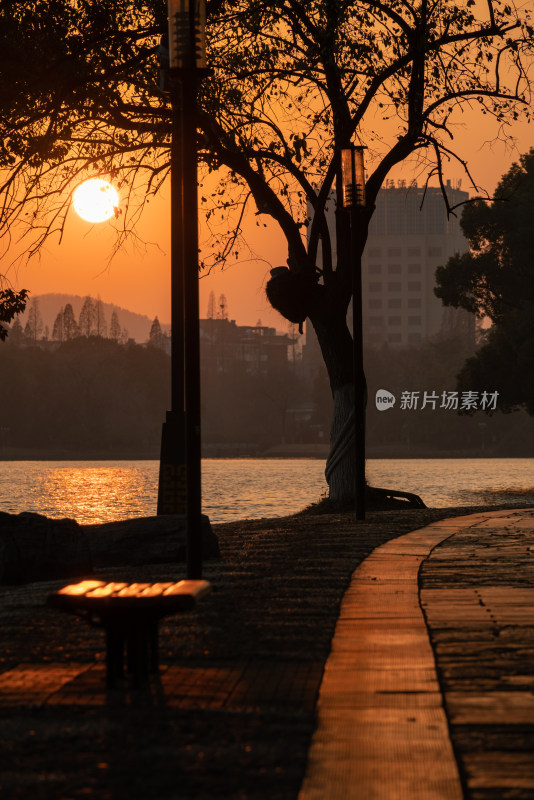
395 302
394 269
435 214
395 338
375 269
395 216
376 321
374 252
394 251
394 320
414 268
414 302
374 304
414 251
434 251
414 286
414 320
394 286
415 219
414 338
375 287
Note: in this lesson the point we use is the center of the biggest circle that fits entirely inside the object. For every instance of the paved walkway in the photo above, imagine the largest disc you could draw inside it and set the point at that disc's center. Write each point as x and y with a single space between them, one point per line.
382 725
427 694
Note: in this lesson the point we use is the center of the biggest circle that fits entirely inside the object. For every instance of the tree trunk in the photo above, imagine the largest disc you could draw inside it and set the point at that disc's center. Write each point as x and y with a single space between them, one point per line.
336 347
340 466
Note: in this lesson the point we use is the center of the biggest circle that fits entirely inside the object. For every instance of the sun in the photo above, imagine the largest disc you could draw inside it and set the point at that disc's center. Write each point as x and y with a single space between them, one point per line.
95 200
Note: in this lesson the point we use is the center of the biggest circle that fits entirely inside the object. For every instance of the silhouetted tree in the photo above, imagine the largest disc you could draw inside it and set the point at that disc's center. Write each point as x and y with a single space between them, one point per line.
87 318
156 337
34 324
114 327
496 280
16 334
70 326
292 83
101 326
11 304
57 330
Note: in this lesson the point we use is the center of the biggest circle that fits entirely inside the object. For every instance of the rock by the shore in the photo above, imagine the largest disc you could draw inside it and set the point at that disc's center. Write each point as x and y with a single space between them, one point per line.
34 547
147 540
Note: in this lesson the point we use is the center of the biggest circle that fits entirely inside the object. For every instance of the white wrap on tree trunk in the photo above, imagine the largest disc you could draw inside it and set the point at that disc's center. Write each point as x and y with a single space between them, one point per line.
339 469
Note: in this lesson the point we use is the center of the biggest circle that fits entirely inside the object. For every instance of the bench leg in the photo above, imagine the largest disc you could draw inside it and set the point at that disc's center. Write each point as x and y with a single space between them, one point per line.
137 654
142 650
114 655
153 634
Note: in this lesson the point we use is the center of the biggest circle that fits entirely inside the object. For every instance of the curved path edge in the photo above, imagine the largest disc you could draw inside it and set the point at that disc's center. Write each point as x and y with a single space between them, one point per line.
382 732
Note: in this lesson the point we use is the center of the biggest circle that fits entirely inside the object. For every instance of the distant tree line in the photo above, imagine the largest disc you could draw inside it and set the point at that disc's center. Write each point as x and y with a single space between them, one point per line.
88 395
92 396
91 322
432 431
95 397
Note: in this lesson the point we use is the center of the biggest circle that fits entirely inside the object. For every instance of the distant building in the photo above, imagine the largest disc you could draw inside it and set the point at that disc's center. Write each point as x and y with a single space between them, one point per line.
256 349
409 237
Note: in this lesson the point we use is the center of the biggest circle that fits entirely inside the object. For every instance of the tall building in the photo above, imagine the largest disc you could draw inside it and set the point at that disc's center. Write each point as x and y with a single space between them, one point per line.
409 237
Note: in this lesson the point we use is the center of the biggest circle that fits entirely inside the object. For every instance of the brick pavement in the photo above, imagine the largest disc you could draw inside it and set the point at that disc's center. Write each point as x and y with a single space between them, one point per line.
233 710
388 720
477 591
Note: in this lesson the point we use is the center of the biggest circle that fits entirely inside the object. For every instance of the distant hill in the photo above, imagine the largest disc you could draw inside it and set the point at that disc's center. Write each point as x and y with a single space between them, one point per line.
137 325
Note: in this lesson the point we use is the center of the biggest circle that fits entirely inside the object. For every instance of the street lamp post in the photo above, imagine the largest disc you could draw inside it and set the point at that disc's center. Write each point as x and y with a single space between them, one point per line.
180 467
353 183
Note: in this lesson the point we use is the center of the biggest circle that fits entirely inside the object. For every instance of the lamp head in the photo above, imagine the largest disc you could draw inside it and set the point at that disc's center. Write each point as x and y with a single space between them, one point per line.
187 34
353 176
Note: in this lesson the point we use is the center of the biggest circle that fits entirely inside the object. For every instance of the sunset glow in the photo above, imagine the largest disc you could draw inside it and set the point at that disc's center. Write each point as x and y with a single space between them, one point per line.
95 200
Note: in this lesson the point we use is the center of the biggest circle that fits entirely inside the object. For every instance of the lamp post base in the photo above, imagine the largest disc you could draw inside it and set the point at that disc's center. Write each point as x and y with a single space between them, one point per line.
172 487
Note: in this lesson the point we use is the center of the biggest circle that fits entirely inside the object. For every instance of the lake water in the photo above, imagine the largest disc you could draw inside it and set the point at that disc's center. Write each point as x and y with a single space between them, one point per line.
102 491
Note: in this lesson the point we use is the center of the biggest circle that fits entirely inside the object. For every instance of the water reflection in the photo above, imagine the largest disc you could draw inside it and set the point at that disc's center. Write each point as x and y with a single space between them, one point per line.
458 481
94 492
103 491
86 491
98 493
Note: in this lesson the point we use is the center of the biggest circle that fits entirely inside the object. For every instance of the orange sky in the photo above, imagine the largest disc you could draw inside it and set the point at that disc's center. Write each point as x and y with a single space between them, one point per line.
138 277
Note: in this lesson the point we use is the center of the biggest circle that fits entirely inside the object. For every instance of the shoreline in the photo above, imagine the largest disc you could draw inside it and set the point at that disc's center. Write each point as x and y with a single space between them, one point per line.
37 455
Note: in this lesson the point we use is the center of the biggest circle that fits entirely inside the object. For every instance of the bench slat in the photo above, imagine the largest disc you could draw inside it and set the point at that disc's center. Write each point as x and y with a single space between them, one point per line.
155 589
77 589
194 588
133 590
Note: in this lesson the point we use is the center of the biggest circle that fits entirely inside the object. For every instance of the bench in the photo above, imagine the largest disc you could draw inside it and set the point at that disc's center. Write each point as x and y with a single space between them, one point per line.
129 613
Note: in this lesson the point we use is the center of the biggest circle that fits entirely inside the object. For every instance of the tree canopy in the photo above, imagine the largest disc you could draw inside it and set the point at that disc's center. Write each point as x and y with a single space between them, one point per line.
496 280
292 82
